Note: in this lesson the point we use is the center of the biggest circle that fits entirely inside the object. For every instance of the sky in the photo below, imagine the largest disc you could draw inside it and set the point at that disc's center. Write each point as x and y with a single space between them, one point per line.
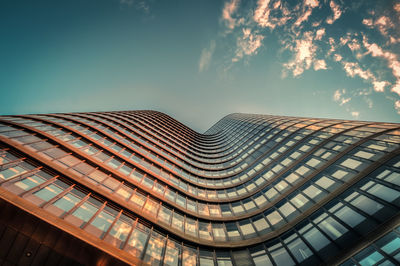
198 61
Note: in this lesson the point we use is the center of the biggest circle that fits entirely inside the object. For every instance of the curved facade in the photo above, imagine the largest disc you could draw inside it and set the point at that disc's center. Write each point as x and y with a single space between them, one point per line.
139 187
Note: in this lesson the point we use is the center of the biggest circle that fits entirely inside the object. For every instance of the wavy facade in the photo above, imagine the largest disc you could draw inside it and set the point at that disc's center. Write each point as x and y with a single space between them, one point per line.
138 187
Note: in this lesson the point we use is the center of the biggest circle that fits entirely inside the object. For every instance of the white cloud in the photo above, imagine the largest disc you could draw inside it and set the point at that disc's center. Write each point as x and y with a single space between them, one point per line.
263 17
353 69
319 64
311 3
397 103
382 24
229 9
338 97
304 55
392 62
368 22
306 11
379 86
206 56
319 34
337 57
247 44
355 114
396 88
337 12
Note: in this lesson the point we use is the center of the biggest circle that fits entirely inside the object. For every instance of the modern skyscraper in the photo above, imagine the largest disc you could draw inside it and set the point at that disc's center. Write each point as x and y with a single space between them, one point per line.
139 187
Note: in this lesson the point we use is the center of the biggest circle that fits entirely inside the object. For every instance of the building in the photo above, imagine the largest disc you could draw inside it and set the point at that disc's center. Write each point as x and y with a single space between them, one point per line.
138 187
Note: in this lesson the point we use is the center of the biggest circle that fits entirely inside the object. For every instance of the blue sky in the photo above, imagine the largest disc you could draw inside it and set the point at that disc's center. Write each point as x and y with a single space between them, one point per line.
201 60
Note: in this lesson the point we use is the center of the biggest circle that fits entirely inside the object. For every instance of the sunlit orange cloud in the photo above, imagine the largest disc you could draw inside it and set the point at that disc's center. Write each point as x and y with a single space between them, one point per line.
336 12
229 9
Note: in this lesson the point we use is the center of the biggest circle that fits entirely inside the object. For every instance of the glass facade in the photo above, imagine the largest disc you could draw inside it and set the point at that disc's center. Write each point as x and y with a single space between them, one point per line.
252 190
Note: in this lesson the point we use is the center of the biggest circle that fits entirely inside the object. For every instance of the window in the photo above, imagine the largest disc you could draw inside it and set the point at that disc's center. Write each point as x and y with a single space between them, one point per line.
177 221
11 172
172 254
316 239
119 232
349 216
364 203
299 201
164 215
246 228
325 182
205 230
50 191
67 202
384 192
102 222
154 249
151 206
312 191
233 232
332 228
298 248
351 163
28 182
260 257
189 257
274 218
260 224
137 241
218 231
84 212
280 255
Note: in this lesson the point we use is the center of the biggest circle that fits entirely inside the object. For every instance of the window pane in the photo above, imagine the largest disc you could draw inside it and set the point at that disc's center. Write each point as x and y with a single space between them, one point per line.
316 239
102 221
172 254
299 249
68 201
84 212
137 242
119 232
154 249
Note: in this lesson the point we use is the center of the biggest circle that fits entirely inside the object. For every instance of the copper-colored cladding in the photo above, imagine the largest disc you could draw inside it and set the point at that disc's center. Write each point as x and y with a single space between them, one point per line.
117 230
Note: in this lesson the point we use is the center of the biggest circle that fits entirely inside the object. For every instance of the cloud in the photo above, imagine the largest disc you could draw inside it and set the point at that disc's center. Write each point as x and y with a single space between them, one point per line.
304 56
319 34
396 89
353 69
337 57
270 17
379 86
355 114
396 7
397 106
229 9
392 63
206 56
247 44
319 64
337 12
306 12
311 3
338 97
368 22
383 24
